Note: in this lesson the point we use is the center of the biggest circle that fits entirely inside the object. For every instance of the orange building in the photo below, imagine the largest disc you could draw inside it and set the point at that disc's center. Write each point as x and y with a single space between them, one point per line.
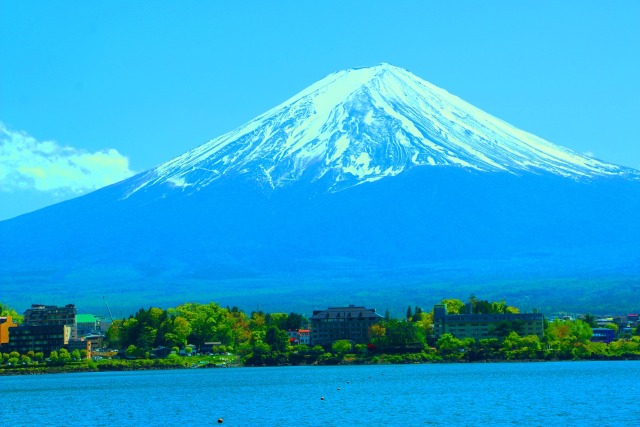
5 324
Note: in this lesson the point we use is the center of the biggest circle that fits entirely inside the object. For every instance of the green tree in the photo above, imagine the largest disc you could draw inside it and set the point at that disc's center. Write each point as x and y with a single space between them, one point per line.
486 348
5 311
341 347
417 314
452 348
112 334
294 322
403 334
75 355
206 321
377 333
132 351
279 320
277 339
516 347
503 329
482 307
426 324
568 339
625 348
260 354
257 321
499 307
360 348
146 337
454 306
590 320
179 329
302 349
64 356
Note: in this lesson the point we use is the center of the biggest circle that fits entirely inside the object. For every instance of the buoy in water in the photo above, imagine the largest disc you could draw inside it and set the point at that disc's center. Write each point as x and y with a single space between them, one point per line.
338 388
322 398
220 420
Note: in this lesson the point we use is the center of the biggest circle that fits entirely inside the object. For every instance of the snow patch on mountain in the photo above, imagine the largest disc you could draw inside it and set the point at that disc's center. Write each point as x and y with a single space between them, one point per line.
361 125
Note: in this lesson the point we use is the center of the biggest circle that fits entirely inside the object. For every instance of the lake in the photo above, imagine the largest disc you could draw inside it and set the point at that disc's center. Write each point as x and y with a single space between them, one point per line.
530 394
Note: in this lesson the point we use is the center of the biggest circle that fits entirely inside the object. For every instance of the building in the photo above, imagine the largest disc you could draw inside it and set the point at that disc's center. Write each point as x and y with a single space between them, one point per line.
604 335
304 336
95 340
299 336
46 328
161 352
210 347
79 344
87 324
44 338
52 315
481 326
602 321
342 323
294 337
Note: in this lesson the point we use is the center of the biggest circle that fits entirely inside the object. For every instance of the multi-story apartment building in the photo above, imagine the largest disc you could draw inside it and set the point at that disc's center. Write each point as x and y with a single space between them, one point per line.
481 326
45 328
342 323
44 338
52 315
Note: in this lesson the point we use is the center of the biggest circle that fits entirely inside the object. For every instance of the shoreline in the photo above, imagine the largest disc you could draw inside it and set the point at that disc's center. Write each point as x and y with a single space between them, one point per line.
120 368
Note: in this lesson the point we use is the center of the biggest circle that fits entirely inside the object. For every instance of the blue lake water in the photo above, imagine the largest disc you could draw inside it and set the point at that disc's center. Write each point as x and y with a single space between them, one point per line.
529 394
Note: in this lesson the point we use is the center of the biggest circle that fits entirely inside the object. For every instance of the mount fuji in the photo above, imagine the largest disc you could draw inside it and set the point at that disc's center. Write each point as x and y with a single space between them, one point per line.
370 186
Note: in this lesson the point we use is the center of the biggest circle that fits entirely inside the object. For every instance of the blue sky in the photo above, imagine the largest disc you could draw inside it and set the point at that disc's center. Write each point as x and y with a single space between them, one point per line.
91 92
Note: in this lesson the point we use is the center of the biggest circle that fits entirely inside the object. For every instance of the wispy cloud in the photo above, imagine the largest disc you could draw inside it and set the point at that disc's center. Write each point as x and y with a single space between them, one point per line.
29 164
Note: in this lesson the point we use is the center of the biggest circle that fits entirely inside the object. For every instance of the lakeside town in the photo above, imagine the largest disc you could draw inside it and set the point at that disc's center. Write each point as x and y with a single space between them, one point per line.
53 338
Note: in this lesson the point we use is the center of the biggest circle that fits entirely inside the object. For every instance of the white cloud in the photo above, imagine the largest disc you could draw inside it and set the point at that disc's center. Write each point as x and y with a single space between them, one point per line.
29 164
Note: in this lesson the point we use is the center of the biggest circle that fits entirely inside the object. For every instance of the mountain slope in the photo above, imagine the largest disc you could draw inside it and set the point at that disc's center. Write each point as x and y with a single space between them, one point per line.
361 125
371 187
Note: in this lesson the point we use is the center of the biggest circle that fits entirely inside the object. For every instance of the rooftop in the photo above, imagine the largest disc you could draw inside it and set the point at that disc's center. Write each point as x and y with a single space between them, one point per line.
86 318
345 312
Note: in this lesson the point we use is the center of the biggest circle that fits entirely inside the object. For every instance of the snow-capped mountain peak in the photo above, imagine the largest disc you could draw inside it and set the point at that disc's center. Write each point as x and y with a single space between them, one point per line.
361 125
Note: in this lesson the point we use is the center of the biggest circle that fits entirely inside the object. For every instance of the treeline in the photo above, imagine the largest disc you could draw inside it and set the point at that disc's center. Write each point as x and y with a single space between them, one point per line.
197 324
258 338
563 340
